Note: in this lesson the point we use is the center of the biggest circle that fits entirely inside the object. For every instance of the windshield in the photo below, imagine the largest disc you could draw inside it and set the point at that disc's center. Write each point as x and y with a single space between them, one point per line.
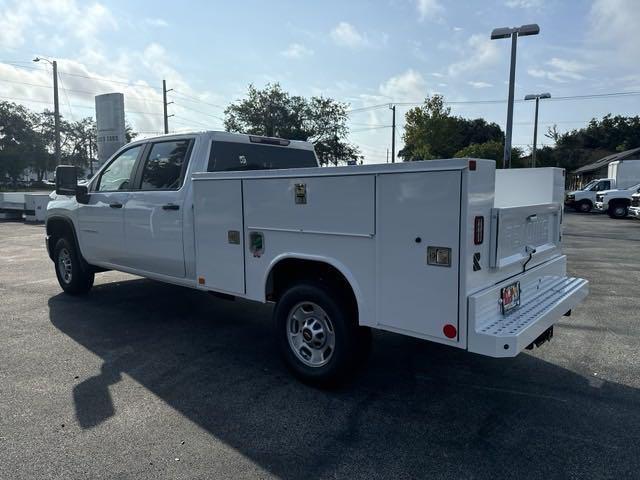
589 185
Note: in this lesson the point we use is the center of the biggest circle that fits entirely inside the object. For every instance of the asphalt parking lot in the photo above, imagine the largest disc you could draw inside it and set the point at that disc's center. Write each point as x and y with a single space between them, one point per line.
144 380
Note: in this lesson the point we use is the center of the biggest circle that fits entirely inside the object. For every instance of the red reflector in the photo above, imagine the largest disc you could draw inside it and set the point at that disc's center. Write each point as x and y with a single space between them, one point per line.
478 230
472 164
449 331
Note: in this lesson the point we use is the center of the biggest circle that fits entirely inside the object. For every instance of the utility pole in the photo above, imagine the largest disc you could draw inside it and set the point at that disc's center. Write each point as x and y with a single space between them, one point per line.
387 155
165 103
393 134
90 156
56 106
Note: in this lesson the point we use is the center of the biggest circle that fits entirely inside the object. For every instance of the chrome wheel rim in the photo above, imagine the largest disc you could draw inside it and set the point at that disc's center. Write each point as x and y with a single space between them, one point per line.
64 265
311 334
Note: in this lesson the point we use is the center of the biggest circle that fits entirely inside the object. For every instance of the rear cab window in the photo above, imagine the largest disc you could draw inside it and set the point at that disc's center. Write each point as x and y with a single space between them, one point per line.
237 156
165 165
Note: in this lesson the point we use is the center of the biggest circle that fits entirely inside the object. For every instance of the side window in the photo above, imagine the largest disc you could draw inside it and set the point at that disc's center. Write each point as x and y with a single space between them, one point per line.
604 186
164 166
235 156
119 174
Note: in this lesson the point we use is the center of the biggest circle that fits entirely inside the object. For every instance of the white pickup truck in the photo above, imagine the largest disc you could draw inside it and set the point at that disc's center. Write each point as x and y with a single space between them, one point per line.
621 174
449 251
616 202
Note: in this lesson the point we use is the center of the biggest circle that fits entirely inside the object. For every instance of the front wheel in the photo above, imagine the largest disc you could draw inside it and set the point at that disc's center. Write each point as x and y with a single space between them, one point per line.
72 277
618 211
317 334
584 206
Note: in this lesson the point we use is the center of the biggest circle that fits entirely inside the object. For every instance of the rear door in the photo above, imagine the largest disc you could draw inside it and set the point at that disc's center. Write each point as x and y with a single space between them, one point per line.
153 214
418 230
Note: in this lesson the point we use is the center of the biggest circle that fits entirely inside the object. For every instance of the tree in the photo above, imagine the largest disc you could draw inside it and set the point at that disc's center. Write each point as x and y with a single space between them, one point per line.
272 112
491 150
20 143
432 132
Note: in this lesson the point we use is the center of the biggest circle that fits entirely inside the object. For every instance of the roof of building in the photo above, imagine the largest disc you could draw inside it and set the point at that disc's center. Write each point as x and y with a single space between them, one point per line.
603 162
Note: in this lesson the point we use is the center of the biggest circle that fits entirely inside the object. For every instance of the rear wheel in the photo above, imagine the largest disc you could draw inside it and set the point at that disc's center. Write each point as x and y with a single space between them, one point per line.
584 206
72 277
618 210
317 334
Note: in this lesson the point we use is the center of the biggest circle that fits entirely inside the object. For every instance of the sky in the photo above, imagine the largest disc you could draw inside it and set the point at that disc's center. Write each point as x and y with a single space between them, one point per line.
363 53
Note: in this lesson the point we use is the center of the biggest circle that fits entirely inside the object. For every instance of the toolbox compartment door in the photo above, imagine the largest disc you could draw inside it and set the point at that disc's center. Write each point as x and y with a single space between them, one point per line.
417 212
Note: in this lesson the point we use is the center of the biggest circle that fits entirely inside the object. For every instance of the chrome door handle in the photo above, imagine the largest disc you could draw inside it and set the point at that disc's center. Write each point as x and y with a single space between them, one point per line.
115 205
171 206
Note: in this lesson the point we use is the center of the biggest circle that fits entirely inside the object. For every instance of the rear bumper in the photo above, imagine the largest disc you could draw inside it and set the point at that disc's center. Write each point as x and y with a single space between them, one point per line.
546 295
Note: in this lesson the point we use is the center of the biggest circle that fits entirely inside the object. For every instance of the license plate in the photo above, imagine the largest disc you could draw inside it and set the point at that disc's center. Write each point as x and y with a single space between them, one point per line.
510 297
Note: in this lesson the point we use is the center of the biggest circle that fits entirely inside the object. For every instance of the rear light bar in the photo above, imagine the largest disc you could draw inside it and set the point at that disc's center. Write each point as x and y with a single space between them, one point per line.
478 230
269 140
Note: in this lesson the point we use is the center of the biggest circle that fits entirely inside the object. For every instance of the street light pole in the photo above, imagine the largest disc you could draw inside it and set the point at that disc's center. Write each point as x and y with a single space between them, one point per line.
512 81
537 98
56 106
393 134
513 33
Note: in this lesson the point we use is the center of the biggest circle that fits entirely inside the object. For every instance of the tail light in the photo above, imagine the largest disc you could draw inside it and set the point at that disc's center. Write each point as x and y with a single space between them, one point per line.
478 230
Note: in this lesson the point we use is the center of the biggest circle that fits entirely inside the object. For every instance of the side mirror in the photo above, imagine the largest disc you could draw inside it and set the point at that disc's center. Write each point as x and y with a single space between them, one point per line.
82 194
66 180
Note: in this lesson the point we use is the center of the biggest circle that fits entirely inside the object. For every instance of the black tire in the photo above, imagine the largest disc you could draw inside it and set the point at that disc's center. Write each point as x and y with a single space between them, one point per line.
74 277
585 206
351 344
618 210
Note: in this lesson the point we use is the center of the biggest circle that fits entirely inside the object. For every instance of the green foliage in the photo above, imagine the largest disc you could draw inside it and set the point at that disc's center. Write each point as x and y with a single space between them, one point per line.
27 141
272 112
491 150
432 132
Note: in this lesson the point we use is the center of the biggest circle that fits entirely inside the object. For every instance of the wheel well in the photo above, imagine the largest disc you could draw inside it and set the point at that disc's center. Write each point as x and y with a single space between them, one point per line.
293 270
620 201
58 228
586 200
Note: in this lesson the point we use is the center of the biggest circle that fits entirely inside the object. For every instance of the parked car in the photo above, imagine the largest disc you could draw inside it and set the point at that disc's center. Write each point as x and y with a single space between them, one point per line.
449 251
622 174
616 202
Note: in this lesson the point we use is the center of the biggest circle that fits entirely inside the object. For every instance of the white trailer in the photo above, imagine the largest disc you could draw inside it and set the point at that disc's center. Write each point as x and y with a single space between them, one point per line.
449 251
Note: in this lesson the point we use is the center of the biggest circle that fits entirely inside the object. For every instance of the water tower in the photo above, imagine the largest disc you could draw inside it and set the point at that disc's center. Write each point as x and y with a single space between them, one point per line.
109 124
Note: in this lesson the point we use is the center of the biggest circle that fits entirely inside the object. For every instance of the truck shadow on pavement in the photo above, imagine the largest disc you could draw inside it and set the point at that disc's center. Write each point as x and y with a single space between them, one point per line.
418 410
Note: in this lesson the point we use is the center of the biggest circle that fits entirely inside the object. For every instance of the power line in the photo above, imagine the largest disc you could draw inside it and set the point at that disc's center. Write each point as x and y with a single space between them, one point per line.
86 107
199 111
197 100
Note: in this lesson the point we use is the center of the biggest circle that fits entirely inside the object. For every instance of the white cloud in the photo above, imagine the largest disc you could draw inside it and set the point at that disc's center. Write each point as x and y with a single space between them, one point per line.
479 84
480 53
296 50
83 21
409 86
429 9
346 35
524 3
561 71
613 25
156 22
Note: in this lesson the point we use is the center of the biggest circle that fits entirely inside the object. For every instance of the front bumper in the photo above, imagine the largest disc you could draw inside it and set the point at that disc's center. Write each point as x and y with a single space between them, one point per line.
602 206
634 212
546 295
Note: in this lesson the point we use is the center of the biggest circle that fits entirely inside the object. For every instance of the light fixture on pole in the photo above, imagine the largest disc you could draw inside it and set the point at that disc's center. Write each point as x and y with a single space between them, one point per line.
536 97
56 106
513 33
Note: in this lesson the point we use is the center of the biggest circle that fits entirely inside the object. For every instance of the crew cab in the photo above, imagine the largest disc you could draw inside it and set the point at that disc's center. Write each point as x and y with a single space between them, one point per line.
449 251
616 202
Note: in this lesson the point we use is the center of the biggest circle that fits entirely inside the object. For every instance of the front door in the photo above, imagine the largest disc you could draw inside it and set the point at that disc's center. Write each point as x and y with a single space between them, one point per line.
101 220
153 214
